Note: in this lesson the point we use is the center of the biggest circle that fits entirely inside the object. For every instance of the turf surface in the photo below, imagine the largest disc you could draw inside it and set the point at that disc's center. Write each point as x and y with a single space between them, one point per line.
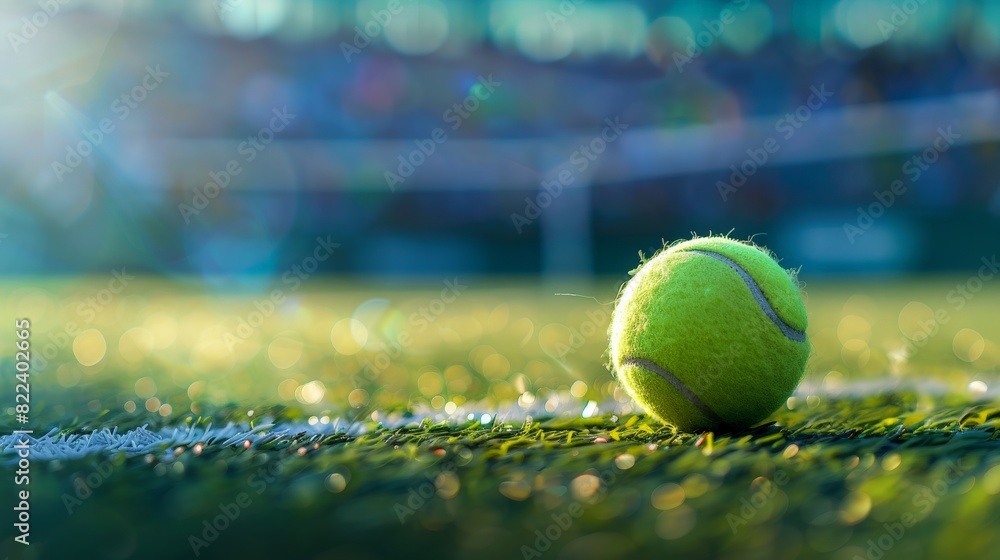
493 432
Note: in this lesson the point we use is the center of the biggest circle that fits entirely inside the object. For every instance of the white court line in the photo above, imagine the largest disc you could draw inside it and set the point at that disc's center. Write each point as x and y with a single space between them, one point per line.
141 441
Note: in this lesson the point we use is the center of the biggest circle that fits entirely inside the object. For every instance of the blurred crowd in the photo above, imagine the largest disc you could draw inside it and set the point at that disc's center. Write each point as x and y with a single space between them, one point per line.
360 81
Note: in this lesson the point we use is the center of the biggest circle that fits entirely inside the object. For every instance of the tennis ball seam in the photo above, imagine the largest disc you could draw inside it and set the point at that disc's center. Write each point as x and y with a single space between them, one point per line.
765 306
676 383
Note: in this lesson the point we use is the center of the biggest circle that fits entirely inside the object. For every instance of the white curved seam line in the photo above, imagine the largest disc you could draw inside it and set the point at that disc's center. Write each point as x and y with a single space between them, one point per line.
677 384
758 294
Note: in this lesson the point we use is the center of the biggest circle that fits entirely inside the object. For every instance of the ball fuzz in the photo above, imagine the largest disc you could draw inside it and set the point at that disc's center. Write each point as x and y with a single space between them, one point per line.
710 335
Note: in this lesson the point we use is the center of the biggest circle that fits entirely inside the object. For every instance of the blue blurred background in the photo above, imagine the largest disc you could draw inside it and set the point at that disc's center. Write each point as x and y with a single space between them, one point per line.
500 137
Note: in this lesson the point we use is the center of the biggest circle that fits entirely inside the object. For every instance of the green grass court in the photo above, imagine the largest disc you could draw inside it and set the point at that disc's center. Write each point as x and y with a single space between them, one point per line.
487 426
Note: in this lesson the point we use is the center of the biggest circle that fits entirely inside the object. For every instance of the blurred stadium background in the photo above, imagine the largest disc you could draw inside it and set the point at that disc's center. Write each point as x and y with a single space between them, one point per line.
447 175
897 72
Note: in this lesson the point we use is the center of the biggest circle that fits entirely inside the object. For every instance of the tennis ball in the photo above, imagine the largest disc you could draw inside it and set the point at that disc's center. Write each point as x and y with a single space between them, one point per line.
709 334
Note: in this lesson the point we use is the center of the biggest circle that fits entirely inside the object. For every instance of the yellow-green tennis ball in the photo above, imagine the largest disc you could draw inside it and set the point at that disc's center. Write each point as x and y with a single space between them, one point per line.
710 335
